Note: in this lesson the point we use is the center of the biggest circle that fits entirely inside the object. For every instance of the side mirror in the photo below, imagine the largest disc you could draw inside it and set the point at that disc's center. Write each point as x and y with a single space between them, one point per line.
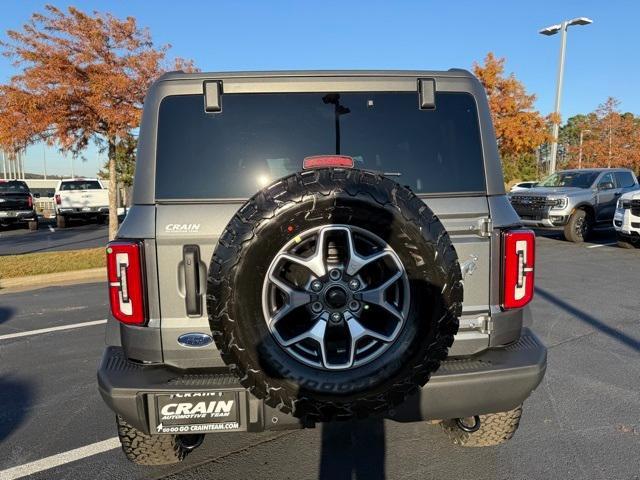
605 186
36 195
50 194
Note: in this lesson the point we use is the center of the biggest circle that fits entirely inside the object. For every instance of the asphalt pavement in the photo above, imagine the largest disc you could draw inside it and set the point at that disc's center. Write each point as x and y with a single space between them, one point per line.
583 421
17 239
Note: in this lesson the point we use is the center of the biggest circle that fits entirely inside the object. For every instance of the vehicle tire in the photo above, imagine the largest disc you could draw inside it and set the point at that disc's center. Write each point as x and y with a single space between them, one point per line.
334 205
578 229
495 428
623 242
144 449
33 225
61 221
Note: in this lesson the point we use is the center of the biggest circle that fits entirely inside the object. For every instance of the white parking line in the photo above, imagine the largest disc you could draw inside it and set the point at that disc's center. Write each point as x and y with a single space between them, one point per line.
602 245
51 329
59 459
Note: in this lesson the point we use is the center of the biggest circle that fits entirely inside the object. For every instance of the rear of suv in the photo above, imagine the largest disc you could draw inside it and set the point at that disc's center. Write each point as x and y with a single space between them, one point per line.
308 247
16 204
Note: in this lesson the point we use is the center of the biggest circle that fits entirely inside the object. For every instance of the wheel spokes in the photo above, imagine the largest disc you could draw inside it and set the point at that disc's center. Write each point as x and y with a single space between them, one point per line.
377 296
295 298
357 261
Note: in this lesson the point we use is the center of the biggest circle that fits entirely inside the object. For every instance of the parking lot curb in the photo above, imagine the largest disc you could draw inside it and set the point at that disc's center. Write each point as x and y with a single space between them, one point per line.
8 285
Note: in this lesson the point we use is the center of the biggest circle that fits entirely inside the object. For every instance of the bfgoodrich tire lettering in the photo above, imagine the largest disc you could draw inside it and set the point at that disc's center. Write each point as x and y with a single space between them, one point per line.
313 199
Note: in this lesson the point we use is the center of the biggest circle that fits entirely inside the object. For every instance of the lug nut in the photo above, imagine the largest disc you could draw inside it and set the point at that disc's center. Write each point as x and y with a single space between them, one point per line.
335 274
354 284
316 285
336 317
316 307
354 306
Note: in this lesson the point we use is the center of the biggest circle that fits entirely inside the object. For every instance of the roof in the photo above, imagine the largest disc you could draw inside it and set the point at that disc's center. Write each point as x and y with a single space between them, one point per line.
452 72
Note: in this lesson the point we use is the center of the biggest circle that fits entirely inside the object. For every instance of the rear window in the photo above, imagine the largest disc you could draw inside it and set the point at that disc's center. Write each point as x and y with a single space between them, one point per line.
258 138
81 185
13 187
625 179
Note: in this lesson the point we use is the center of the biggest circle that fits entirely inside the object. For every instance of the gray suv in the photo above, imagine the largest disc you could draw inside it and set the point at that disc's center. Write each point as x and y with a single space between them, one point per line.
575 201
308 247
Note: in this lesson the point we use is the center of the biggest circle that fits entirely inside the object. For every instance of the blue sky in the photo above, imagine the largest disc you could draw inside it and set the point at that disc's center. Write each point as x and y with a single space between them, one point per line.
602 58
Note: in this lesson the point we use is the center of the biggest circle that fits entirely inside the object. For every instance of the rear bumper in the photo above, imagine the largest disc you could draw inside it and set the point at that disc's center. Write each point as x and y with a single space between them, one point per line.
78 212
8 216
495 380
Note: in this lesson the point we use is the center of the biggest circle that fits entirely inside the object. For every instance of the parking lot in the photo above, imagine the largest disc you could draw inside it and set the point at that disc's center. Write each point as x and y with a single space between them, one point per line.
16 239
583 421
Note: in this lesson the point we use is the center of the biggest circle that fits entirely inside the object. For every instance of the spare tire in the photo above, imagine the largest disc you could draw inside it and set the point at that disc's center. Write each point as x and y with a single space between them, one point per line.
334 293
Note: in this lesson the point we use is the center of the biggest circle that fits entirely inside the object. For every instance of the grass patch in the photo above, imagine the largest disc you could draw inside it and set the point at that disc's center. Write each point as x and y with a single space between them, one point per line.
12 266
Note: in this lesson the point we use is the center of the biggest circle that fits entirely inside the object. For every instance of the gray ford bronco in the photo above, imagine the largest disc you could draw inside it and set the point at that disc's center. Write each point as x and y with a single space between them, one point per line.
308 247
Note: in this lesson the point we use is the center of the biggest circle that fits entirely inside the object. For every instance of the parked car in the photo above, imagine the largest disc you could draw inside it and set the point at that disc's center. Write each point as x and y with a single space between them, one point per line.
626 220
520 186
273 274
574 201
16 204
84 198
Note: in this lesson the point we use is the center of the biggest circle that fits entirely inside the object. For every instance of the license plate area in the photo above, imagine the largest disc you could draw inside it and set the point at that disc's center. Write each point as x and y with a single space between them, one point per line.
192 412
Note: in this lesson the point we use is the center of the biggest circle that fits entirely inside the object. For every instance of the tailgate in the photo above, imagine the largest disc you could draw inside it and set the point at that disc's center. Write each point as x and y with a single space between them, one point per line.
18 201
84 198
201 225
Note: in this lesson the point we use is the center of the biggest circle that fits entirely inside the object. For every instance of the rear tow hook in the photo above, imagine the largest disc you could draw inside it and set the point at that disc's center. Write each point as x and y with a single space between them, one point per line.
469 428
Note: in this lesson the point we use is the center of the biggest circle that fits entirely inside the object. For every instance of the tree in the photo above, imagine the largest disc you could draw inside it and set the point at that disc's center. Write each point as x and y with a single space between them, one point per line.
520 129
610 138
83 79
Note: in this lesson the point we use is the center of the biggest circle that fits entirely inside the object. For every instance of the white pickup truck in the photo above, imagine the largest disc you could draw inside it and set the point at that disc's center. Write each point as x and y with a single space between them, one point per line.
81 198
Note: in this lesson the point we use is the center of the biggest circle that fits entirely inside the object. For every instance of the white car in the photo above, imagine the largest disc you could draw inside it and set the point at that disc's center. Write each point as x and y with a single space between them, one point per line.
84 198
521 186
626 220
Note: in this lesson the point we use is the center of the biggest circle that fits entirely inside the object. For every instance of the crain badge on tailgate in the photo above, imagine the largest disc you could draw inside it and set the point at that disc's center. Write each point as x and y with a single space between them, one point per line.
182 228
195 340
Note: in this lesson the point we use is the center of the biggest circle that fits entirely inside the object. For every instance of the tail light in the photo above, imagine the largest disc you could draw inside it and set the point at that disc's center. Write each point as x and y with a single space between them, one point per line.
30 201
58 201
517 270
126 287
325 161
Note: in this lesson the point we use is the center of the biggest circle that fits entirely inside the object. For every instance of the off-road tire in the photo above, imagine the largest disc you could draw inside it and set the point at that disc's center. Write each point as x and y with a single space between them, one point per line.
571 232
61 221
144 449
33 225
495 428
307 200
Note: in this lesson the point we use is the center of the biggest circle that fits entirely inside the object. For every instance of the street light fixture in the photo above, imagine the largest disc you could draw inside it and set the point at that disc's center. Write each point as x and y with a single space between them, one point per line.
552 30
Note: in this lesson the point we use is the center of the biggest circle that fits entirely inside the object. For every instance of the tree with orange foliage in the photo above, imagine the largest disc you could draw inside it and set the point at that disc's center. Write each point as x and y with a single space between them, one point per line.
520 129
610 138
83 79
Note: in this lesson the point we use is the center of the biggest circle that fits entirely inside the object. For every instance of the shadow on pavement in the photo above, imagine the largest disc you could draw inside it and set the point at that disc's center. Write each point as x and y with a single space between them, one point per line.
353 450
5 315
589 319
16 397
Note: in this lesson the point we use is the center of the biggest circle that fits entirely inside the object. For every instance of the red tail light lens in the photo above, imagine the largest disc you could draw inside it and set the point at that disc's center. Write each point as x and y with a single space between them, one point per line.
517 270
30 201
126 287
58 201
325 161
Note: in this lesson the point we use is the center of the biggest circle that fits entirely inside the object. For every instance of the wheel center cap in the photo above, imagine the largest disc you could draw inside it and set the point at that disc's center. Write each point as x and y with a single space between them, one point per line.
336 297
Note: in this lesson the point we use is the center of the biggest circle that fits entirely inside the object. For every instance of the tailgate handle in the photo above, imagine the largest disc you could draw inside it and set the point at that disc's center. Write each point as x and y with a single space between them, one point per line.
192 298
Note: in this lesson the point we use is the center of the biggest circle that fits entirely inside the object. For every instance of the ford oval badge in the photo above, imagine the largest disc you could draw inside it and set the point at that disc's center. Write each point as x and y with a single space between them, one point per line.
194 340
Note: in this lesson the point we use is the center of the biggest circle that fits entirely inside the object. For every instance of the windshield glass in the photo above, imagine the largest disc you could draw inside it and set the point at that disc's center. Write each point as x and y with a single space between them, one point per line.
81 185
13 187
258 138
570 179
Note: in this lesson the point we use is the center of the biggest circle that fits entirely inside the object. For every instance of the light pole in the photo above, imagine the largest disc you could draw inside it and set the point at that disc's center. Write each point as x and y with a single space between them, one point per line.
582 132
552 30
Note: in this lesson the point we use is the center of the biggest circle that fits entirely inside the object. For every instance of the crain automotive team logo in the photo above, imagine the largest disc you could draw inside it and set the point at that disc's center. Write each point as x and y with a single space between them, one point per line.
182 228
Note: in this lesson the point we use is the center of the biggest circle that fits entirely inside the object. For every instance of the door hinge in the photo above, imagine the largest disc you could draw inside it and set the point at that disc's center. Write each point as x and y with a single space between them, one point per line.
485 227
